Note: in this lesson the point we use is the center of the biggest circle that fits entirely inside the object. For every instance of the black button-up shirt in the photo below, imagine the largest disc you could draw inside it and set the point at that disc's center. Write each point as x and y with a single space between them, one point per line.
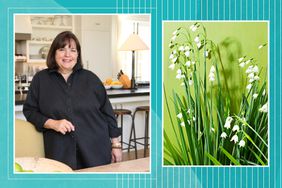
83 101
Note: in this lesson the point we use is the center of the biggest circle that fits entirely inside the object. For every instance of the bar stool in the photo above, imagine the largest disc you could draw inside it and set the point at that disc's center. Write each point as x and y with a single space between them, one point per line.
121 113
145 109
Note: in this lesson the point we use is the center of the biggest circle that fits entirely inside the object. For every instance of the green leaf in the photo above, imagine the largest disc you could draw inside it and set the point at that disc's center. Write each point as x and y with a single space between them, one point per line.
214 160
232 159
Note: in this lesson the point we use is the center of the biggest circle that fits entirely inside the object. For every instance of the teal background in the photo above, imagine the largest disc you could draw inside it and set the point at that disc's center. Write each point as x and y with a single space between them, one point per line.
159 176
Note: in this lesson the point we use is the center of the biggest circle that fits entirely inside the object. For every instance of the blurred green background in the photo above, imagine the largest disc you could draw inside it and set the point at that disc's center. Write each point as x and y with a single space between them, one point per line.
235 39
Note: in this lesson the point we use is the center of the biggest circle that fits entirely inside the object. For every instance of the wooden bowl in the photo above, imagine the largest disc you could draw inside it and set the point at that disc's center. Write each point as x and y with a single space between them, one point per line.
36 164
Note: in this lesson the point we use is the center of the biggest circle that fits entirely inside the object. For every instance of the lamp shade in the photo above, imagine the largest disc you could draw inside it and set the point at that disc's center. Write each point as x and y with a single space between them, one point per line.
133 43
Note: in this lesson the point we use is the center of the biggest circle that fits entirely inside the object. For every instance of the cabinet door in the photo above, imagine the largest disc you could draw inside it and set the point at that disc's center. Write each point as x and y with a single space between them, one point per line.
96 52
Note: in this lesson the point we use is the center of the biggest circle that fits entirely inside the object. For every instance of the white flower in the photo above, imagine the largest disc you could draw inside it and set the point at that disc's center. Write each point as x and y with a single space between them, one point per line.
263 93
193 28
242 143
189 122
260 46
256 78
212 129
187 53
171 66
248 61
179 71
182 84
188 63
182 124
187 48
175 32
249 86
228 122
206 53
255 69
179 115
199 45
235 128
223 135
211 75
174 51
194 119
249 69
197 39
190 82
173 38
211 78
241 59
171 56
193 62
181 48
174 60
242 64
188 111
234 138
251 75
212 69
255 95
264 108
178 76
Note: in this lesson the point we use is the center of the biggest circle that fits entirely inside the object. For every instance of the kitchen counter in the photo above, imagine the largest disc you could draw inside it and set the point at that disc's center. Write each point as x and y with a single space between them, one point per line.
112 94
138 165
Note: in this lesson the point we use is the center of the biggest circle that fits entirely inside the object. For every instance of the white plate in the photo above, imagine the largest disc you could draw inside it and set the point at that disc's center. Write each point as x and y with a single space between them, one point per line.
107 86
117 86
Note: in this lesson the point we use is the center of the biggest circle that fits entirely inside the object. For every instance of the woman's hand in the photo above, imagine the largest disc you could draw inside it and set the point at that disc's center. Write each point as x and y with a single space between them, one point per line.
116 155
116 151
63 126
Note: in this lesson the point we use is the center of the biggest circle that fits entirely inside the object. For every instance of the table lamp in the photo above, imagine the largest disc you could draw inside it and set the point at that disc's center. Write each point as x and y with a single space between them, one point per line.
133 43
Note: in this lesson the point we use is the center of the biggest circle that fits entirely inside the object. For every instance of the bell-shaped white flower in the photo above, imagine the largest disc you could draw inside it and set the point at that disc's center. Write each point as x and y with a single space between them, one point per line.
223 135
263 93
241 59
175 32
171 66
255 95
173 38
242 143
190 82
228 122
249 86
199 45
182 124
235 128
179 115
197 39
264 108
193 28
206 53
234 138
181 48
188 63
242 64
187 53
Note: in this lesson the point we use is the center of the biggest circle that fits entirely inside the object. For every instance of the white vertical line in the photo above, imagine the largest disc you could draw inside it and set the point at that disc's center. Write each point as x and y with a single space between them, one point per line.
269 18
252 178
252 9
275 82
280 91
241 12
218 8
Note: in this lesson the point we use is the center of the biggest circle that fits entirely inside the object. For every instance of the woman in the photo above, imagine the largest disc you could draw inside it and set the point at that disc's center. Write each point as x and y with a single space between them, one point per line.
70 106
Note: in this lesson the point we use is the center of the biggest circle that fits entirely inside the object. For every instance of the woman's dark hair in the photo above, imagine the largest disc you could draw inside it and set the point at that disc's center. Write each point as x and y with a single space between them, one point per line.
61 40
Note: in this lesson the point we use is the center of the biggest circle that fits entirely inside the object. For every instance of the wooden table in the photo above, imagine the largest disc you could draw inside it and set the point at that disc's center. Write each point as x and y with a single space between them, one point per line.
138 165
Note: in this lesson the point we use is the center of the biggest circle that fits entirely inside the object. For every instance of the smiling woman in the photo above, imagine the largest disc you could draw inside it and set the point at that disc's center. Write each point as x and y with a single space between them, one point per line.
70 106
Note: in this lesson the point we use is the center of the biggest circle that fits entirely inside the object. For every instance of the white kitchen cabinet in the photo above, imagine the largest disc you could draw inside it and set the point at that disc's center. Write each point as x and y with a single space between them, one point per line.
96 47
